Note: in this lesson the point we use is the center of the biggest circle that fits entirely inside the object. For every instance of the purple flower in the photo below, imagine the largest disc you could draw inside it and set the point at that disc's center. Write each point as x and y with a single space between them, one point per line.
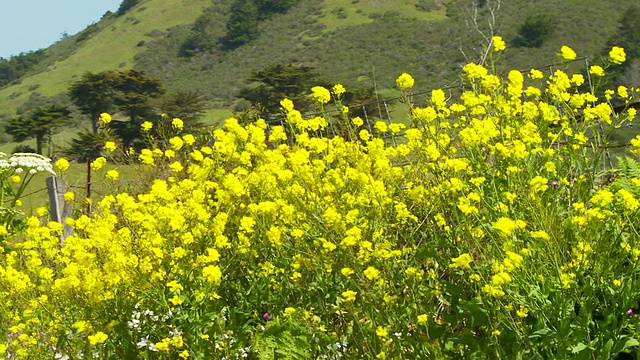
266 315
629 312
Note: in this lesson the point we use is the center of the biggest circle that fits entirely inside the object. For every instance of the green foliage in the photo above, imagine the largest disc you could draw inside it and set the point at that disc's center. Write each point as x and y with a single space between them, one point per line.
87 33
92 94
626 170
266 8
36 125
628 34
86 145
206 31
427 5
132 91
22 148
242 26
125 5
15 67
535 31
283 338
279 81
129 92
189 106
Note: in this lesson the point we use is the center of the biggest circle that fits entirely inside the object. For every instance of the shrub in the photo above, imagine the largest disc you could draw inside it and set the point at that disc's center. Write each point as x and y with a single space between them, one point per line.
535 31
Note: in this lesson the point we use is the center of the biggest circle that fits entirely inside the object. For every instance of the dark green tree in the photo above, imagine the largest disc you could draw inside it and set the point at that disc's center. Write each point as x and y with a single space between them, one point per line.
267 8
93 94
628 37
189 106
15 67
87 145
535 31
125 5
133 91
242 25
38 124
628 34
199 40
278 81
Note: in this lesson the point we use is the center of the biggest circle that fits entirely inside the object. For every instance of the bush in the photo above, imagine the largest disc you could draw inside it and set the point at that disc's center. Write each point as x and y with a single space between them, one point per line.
125 5
22 148
427 5
535 31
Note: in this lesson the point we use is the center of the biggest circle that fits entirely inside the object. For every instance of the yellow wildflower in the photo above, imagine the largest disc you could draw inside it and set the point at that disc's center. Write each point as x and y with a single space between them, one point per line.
105 118
97 338
617 55
110 146
371 273
177 123
498 43
349 296
405 81
320 94
567 53
461 261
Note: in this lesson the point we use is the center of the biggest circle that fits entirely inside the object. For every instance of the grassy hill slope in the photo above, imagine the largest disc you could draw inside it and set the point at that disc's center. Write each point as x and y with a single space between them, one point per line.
111 45
363 43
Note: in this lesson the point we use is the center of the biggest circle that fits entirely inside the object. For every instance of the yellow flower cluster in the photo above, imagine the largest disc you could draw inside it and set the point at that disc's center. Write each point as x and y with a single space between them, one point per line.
467 218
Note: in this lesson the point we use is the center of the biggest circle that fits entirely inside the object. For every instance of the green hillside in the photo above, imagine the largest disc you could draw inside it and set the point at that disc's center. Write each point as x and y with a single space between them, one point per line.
111 43
361 43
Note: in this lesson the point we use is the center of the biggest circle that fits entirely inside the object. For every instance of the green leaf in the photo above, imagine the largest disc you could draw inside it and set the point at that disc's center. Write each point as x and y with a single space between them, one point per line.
546 332
435 331
630 343
578 348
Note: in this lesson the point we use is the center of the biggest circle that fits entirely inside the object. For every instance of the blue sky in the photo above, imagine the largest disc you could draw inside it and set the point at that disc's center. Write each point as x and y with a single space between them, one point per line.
27 25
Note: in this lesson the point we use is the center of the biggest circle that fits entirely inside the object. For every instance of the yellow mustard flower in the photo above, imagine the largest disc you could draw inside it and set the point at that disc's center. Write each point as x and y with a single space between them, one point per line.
349 296
97 338
617 55
463 261
320 94
405 81
498 43
105 118
567 53
371 273
177 123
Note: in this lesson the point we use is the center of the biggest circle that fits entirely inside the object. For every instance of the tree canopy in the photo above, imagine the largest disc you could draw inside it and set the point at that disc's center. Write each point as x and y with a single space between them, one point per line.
278 81
93 95
38 124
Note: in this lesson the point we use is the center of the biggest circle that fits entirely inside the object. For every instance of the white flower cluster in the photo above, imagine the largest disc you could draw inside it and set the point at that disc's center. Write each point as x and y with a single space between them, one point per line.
33 163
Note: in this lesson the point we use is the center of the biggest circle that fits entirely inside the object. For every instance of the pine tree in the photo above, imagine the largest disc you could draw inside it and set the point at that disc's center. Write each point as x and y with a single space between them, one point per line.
242 26
38 124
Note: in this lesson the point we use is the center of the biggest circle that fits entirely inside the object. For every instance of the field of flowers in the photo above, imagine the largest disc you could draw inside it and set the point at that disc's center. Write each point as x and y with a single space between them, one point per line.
488 228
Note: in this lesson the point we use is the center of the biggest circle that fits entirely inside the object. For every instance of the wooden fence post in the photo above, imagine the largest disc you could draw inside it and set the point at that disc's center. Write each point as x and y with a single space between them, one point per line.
59 209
